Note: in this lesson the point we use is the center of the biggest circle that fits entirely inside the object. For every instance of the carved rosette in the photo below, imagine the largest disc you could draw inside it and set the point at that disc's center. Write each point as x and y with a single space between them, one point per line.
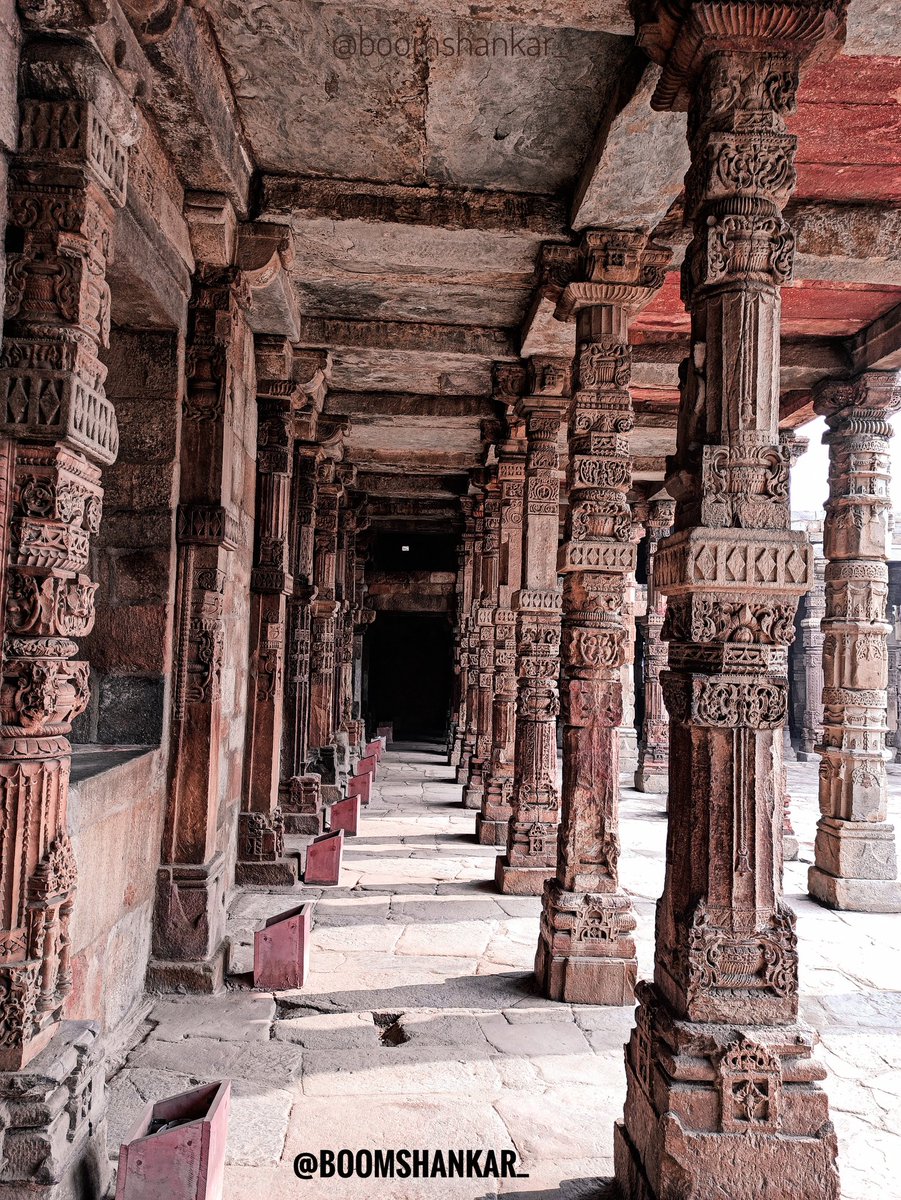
854 844
620 273
59 429
721 1016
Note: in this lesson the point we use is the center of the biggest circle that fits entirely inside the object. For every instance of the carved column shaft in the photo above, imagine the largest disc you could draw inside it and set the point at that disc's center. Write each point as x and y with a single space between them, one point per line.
483 650
653 750
531 855
855 862
324 610
491 823
190 912
810 651
586 952
464 595
470 648
56 430
720 1082
260 828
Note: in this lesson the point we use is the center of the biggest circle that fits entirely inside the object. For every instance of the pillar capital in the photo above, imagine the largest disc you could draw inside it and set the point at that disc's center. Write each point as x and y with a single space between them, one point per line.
682 37
617 269
872 396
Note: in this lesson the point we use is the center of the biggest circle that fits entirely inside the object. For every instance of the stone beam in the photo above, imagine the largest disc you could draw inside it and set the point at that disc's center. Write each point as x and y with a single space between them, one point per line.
409 404
300 196
421 337
878 347
639 158
387 486
191 99
803 362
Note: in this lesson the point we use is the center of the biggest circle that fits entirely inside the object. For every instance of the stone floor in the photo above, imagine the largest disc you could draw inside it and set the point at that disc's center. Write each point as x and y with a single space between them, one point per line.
418 1026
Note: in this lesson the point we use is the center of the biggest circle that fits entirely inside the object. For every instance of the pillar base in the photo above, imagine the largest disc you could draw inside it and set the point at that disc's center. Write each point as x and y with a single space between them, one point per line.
709 1102
789 847
521 881
472 797
628 752
491 832
300 800
854 895
586 954
652 779
54 1136
305 824
204 977
282 872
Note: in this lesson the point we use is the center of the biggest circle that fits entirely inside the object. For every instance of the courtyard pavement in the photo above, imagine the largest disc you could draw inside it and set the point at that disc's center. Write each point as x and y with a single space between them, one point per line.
418 1026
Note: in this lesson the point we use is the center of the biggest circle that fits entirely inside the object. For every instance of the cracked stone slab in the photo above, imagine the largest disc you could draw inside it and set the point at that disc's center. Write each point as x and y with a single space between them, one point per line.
232 1017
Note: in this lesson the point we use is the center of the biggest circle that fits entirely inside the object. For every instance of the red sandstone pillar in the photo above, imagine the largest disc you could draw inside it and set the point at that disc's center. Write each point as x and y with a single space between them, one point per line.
855 865
531 855
189 925
300 797
56 430
283 390
721 1086
586 952
653 748
324 612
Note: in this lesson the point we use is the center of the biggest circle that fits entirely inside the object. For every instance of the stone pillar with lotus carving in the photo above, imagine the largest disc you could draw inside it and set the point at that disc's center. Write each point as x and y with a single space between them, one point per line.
721 1084
653 749
855 863
586 952
531 856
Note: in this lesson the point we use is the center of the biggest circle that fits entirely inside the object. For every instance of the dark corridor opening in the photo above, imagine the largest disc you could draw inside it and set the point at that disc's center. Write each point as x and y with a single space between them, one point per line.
410 666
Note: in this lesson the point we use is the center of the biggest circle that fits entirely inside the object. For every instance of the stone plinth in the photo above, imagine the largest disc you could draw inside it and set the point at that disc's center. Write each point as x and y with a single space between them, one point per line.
54 1122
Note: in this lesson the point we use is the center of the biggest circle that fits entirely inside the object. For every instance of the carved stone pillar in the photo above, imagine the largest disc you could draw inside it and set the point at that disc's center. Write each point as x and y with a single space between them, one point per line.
300 796
56 430
653 750
189 923
491 823
721 1084
854 853
628 734
324 611
810 653
484 639
531 855
260 826
464 594
470 649
586 952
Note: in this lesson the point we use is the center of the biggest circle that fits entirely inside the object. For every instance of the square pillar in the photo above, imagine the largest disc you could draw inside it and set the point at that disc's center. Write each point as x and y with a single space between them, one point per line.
586 952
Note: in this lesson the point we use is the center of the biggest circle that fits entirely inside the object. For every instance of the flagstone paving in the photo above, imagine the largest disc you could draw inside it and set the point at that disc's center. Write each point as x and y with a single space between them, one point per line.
418 1026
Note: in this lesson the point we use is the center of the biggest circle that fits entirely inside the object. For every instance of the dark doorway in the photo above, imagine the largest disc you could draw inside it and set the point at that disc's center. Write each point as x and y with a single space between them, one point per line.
410 663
